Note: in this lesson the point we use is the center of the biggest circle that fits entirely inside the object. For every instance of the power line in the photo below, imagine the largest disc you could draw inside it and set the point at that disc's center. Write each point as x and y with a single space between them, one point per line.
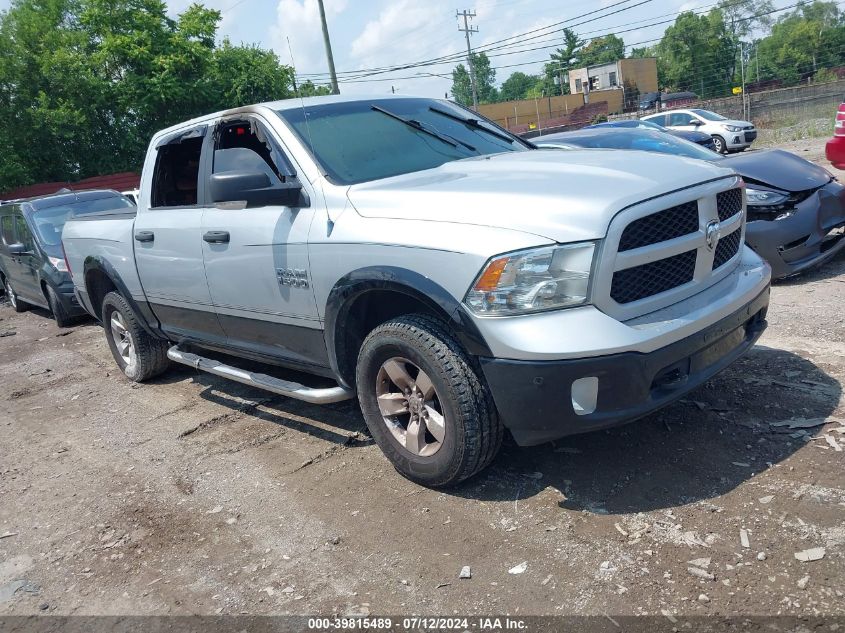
451 57
362 77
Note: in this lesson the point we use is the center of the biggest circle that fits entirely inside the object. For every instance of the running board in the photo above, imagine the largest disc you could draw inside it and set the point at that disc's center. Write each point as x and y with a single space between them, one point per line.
262 381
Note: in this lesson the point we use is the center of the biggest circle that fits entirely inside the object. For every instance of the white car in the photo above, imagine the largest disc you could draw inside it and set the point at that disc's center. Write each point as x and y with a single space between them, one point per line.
728 135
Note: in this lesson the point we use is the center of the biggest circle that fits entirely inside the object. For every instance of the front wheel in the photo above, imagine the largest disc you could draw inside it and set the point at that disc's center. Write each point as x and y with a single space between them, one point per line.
139 355
14 300
720 146
424 403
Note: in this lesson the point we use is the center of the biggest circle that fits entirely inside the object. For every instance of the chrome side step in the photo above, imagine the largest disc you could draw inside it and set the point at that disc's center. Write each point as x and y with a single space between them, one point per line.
262 381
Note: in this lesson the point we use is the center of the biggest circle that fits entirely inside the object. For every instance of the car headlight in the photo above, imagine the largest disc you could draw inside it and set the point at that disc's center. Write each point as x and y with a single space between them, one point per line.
764 198
58 263
733 128
540 279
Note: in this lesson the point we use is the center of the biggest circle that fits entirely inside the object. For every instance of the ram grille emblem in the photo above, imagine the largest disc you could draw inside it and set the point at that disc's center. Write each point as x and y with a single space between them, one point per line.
713 233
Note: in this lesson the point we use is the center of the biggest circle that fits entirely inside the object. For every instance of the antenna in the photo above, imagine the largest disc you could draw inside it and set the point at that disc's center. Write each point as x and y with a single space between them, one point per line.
298 93
331 220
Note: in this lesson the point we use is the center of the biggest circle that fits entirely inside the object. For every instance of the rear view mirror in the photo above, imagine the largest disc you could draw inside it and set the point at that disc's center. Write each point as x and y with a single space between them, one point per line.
696 122
255 188
18 249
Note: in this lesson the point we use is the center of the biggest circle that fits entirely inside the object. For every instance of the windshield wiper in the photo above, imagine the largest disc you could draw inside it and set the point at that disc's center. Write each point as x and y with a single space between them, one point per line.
473 123
413 123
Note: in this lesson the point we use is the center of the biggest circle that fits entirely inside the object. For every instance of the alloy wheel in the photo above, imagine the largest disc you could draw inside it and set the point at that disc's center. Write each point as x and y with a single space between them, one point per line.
122 338
410 407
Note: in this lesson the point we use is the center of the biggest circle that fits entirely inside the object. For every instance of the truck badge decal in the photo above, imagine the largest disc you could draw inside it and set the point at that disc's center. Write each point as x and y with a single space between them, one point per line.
294 277
713 233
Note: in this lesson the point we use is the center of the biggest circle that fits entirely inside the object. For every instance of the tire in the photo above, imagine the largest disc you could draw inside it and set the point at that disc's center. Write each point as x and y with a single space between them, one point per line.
63 319
12 296
145 356
721 145
449 400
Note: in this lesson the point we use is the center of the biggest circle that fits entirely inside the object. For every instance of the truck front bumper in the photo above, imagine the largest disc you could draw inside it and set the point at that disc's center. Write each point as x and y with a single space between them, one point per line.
540 401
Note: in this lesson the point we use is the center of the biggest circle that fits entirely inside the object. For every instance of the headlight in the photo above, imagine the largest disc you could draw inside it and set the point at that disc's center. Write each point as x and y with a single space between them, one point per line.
733 128
58 264
763 198
541 279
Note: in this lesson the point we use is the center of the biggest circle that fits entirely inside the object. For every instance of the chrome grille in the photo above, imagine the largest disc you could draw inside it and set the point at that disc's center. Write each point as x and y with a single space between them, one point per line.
729 203
660 227
654 257
727 247
633 284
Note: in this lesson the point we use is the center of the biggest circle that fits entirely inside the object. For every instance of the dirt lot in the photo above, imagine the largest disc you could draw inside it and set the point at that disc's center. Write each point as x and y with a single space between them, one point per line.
193 495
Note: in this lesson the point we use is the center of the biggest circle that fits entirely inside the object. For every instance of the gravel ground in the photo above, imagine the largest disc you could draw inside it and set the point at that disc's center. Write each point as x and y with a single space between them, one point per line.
193 495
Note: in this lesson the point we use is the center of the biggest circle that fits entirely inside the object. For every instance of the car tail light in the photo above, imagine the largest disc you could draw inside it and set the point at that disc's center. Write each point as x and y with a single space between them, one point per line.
839 129
67 263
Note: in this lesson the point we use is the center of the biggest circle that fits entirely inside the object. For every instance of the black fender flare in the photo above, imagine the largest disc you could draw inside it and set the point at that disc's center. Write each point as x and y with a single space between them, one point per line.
391 278
145 314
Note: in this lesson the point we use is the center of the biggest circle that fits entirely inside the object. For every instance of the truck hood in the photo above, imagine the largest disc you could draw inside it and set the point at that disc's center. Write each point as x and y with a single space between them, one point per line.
561 195
779 169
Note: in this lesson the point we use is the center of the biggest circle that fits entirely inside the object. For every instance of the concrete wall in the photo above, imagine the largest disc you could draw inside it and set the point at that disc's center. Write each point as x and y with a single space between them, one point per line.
613 97
511 113
642 72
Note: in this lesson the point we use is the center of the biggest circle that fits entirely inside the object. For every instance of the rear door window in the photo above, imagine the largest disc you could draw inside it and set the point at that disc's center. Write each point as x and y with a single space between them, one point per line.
176 174
680 118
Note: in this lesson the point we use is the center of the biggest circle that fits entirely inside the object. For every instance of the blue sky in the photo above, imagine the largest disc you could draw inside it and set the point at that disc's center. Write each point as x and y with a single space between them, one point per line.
376 33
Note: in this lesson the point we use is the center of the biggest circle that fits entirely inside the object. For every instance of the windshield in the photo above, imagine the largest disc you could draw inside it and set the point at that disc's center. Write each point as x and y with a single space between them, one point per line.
640 139
360 141
710 116
49 222
631 123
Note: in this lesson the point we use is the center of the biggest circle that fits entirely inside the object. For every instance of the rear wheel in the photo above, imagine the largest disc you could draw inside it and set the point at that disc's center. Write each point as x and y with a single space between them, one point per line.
424 403
721 146
63 319
17 304
139 355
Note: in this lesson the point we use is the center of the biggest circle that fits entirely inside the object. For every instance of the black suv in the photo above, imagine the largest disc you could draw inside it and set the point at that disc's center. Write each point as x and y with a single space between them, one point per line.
32 265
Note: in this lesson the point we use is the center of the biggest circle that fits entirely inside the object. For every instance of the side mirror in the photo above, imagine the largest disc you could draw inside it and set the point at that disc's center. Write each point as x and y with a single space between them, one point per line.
18 249
696 122
255 188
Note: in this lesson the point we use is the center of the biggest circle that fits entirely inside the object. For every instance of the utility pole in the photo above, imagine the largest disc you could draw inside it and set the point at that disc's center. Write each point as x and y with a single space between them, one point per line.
742 70
327 42
467 30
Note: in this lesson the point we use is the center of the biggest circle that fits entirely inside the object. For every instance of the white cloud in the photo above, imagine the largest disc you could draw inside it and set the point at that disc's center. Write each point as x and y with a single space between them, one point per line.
299 22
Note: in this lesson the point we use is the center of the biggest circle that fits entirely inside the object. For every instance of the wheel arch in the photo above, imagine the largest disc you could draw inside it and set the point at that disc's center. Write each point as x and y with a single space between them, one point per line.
367 297
100 279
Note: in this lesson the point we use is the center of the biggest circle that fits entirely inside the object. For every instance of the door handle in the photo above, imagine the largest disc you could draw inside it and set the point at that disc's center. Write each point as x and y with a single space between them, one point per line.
216 237
145 236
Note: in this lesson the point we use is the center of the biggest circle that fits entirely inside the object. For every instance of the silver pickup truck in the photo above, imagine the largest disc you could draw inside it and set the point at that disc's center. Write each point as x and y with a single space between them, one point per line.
453 277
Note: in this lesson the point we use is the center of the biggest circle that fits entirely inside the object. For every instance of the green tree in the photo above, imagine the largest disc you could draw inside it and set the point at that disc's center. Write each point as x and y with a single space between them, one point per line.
808 39
485 81
309 89
697 54
562 61
602 50
517 86
85 83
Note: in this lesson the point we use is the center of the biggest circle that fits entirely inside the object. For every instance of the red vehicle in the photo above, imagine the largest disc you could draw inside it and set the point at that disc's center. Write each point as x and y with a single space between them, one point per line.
836 146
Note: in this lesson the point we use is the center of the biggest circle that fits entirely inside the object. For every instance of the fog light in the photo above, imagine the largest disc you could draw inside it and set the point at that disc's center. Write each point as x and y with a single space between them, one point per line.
585 392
